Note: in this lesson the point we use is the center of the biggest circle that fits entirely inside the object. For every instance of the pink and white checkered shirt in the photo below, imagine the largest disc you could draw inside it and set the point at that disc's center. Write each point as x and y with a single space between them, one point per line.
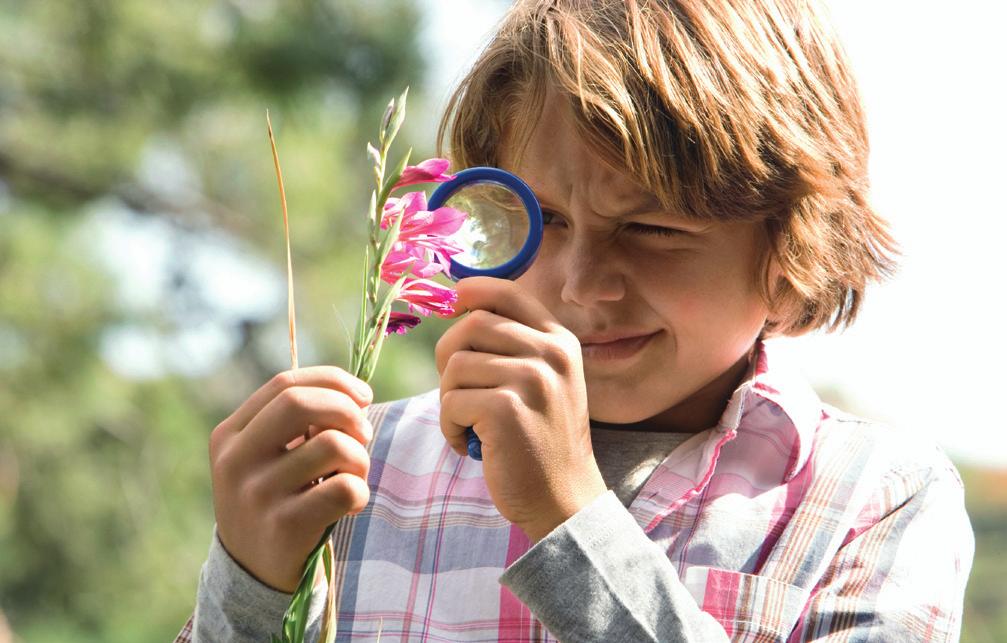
788 521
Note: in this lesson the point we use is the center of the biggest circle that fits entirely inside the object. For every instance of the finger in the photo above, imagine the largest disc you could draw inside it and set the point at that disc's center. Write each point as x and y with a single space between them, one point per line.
323 504
464 408
325 376
326 453
299 440
290 414
487 332
506 298
473 370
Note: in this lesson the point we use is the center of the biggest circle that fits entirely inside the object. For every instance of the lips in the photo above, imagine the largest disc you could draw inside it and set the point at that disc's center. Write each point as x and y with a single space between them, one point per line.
612 337
618 349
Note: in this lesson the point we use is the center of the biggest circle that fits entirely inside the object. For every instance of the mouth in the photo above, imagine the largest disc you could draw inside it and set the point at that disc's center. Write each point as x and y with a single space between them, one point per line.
619 349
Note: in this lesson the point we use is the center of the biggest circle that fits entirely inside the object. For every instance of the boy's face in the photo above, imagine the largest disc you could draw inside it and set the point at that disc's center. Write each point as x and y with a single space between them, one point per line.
600 273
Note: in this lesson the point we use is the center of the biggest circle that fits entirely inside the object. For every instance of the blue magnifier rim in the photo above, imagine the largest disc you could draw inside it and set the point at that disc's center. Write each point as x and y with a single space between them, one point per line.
519 264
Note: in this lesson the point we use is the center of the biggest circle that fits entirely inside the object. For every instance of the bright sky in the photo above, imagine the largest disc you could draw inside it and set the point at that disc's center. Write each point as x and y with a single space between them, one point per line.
928 349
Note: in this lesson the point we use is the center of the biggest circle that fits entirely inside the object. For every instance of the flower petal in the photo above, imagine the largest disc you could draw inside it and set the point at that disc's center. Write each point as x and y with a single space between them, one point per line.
408 205
400 323
425 297
428 171
400 259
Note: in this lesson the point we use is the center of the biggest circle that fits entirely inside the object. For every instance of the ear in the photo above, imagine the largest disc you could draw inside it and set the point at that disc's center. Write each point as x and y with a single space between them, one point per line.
774 278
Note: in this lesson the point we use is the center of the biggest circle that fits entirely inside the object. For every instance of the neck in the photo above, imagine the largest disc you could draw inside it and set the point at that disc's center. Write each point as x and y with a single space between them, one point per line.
696 413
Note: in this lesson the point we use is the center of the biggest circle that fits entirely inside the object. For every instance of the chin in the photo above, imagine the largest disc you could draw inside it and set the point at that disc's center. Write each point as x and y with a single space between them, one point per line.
623 407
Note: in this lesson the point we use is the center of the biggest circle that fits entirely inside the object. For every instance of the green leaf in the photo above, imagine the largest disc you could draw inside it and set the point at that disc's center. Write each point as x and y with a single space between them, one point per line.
390 237
393 178
371 361
295 620
373 215
389 296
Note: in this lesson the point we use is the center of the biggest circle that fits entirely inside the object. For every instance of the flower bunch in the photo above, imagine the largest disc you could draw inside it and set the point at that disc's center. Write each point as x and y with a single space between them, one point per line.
407 245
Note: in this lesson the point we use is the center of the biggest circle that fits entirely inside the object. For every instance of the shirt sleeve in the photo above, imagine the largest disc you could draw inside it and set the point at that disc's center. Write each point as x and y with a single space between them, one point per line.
900 576
232 606
904 577
598 577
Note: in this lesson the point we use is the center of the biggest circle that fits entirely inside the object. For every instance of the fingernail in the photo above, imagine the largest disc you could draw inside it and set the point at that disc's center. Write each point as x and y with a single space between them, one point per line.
368 430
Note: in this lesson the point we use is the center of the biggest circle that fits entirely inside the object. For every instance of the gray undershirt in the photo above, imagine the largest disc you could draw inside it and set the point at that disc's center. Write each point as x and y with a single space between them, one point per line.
628 458
231 605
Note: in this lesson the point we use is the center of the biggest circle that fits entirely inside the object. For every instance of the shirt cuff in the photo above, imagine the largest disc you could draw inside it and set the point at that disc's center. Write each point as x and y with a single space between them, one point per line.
232 605
598 577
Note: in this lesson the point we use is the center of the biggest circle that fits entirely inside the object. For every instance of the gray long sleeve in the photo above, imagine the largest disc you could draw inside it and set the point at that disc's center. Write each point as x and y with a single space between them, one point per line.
232 606
597 577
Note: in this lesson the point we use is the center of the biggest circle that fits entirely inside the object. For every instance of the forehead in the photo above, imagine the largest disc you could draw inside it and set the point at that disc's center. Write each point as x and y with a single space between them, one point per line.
556 161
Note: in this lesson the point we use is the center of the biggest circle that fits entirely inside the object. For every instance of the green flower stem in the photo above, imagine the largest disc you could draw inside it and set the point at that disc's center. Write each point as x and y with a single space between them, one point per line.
370 334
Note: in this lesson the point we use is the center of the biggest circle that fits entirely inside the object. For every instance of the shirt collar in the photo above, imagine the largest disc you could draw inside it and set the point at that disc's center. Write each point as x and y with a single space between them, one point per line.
771 378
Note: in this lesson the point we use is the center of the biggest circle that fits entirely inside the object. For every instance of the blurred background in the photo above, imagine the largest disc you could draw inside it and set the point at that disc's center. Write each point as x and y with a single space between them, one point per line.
142 283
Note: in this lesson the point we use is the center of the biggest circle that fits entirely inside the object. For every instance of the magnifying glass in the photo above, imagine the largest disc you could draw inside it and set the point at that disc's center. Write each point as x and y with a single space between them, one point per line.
500 237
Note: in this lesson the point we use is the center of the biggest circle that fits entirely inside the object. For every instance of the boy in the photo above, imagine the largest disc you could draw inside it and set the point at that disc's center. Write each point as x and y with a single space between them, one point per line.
651 471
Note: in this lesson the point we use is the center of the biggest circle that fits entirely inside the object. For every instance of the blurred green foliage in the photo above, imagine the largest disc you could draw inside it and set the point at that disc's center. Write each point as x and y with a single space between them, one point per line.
985 619
132 112
155 112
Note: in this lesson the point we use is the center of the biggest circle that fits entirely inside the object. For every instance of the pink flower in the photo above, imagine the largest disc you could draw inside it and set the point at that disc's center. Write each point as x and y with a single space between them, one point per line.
422 233
425 297
429 171
400 323
398 261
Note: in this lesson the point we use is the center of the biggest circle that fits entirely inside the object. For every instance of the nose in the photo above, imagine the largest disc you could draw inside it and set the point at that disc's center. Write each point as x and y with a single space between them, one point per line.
591 271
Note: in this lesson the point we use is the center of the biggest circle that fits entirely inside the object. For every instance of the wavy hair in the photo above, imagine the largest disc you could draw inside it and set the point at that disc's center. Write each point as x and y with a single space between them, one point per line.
723 109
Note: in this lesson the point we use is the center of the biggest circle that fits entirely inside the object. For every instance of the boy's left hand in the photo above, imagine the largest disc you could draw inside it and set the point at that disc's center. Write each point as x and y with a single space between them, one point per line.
512 372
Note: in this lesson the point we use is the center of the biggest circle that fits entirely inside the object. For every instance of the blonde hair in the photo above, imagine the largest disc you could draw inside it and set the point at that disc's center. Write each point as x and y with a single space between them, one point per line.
723 109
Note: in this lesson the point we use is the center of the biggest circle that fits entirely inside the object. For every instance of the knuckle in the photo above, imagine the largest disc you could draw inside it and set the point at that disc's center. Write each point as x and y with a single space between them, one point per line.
455 361
557 356
535 378
447 400
295 397
282 380
330 443
528 371
479 318
224 468
349 415
350 492
447 409
216 443
507 401
220 463
440 352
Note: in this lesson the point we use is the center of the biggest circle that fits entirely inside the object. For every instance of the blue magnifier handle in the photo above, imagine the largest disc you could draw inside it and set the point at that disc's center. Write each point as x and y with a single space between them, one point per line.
511 269
474 445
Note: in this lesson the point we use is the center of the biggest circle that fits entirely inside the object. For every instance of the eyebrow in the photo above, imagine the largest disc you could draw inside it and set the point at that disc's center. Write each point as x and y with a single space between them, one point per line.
651 206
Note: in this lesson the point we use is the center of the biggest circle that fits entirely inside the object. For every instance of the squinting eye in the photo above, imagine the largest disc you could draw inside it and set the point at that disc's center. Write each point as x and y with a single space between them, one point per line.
655 230
640 228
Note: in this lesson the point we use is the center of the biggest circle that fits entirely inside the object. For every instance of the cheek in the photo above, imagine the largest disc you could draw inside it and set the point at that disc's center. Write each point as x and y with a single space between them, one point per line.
536 282
692 289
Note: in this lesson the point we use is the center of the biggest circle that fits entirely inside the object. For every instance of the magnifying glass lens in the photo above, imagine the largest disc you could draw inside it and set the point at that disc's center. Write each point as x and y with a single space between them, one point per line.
496 227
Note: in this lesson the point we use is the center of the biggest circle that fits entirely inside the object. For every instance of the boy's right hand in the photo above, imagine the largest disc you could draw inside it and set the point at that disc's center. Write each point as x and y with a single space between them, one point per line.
269 516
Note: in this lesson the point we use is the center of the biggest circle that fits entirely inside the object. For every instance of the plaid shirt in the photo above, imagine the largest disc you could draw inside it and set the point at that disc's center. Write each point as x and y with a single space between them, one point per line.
789 520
